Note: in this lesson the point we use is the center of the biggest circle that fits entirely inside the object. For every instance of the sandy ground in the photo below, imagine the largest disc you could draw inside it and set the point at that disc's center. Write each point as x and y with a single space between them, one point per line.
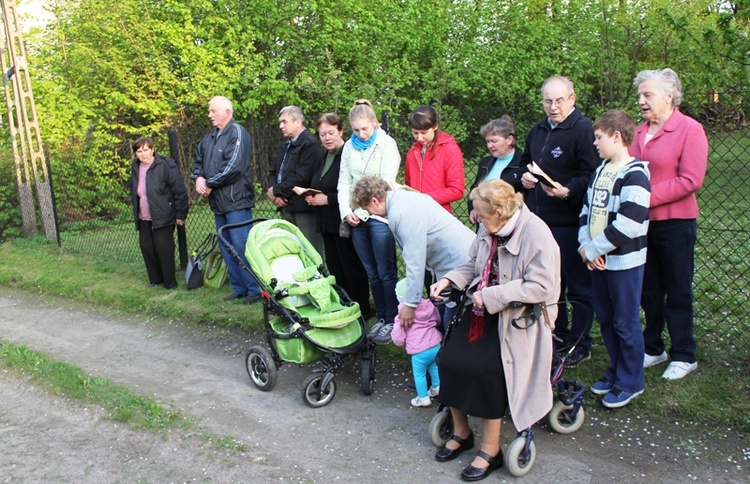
49 438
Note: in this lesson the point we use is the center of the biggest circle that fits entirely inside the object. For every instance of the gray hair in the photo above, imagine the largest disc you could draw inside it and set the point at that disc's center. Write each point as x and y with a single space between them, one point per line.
502 127
568 83
666 80
222 102
294 112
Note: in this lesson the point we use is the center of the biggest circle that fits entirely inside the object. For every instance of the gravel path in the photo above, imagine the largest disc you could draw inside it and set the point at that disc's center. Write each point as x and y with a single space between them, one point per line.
48 438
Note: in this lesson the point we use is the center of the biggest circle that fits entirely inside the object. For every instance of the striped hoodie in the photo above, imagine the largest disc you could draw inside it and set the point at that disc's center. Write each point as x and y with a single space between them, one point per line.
623 241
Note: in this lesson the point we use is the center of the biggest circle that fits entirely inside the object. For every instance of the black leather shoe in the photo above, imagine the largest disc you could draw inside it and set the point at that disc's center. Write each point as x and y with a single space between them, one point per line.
251 299
471 473
234 296
445 454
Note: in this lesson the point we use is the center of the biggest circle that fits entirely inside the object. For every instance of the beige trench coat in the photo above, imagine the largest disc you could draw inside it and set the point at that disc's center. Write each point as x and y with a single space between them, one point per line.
529 273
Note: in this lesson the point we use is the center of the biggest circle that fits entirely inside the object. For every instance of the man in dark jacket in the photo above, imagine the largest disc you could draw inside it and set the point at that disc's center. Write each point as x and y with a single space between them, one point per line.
298 159
562 145
222 173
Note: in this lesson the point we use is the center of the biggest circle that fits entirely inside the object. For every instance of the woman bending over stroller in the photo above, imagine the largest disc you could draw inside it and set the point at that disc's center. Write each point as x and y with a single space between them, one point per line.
487 365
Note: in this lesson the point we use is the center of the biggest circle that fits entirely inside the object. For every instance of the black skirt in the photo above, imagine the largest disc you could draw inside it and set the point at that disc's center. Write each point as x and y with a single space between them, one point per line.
471 374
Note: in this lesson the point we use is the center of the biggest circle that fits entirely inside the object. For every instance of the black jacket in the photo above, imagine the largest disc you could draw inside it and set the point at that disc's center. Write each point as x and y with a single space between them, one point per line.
566 154
223 159
165 191
302 160
329 218
511 174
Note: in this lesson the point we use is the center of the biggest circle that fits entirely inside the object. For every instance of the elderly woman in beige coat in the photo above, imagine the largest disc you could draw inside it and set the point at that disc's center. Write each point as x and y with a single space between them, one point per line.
487 365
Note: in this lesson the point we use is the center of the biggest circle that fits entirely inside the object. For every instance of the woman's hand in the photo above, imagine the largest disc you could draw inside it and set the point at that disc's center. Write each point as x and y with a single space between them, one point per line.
438 287
318 200
476 298
179 221
352 219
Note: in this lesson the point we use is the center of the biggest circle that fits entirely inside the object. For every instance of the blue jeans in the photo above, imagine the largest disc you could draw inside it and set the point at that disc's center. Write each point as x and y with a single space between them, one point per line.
576 288
617 296
242 281
376 248
668 288
421 364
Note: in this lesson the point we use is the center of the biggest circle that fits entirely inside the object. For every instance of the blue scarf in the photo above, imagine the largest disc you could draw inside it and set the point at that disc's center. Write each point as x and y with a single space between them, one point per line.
363 145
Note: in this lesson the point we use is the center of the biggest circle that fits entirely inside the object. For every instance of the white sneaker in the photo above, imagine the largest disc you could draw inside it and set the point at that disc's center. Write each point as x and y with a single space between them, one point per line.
649 360
421 402
679 369
433 392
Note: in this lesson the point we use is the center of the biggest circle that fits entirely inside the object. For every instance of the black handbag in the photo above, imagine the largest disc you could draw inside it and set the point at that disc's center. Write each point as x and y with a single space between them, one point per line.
194 269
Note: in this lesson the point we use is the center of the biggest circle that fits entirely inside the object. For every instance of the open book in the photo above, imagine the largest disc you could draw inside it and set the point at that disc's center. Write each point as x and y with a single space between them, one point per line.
303 192
540 175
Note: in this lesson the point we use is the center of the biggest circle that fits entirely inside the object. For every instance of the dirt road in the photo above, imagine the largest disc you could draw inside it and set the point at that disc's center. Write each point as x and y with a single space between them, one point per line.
48 438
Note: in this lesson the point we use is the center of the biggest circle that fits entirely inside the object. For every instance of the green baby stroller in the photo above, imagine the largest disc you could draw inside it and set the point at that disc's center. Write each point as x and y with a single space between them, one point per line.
307 317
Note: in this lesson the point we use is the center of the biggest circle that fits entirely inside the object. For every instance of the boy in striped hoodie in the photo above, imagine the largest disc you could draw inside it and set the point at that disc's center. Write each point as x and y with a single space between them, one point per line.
613 226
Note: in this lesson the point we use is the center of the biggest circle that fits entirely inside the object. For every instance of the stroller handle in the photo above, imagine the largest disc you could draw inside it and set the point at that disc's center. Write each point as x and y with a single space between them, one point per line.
222 230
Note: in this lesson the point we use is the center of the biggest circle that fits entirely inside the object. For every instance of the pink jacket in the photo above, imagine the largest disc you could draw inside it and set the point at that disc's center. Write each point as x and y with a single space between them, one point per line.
423 333
677 156
440 174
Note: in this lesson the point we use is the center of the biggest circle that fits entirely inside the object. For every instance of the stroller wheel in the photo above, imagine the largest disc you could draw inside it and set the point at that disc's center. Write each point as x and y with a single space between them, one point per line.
441 427
368 372
561 421
261 368
518 461
314 395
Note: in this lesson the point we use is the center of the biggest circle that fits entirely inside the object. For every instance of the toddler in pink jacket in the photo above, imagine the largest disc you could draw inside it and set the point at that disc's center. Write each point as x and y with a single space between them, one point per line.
422 340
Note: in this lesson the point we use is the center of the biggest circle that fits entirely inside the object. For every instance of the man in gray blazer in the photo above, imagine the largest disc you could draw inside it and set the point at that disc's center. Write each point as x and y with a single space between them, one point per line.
430 238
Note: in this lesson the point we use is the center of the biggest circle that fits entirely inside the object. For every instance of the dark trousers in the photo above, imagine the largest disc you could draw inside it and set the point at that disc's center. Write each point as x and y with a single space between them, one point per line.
344 264
617 296
157 248
576 288
667 295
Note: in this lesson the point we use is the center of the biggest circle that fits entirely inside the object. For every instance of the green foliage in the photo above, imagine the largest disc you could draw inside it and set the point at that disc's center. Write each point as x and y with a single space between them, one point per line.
105 73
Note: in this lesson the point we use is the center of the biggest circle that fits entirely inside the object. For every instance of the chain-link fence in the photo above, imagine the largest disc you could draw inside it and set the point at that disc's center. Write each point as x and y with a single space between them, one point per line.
722 253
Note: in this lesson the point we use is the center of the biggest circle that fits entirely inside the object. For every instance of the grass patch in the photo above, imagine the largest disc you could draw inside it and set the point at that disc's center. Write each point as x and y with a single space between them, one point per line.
717 395
67 380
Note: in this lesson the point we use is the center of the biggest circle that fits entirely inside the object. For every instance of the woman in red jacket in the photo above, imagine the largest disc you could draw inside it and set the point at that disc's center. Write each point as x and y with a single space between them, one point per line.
434 164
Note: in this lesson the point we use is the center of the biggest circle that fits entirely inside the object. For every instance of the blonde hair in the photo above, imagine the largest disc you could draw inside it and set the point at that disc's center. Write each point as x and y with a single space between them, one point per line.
500 196
362 108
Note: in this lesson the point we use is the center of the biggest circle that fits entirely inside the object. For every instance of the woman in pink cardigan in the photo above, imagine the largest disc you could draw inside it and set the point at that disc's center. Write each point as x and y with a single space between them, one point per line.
676 149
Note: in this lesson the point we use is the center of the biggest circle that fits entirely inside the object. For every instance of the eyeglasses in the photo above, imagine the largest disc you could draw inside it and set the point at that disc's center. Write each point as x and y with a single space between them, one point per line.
557 102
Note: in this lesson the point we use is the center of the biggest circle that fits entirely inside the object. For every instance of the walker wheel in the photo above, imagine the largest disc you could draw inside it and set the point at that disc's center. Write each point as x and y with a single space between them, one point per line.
560 420
441 427
261 368
314 395
517 461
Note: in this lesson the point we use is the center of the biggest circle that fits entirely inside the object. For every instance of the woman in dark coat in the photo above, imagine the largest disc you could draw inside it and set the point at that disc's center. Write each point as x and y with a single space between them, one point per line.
341 258
504 161
159 202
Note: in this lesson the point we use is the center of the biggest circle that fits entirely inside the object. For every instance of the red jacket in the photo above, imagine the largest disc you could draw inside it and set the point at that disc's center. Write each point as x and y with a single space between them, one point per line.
440 174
